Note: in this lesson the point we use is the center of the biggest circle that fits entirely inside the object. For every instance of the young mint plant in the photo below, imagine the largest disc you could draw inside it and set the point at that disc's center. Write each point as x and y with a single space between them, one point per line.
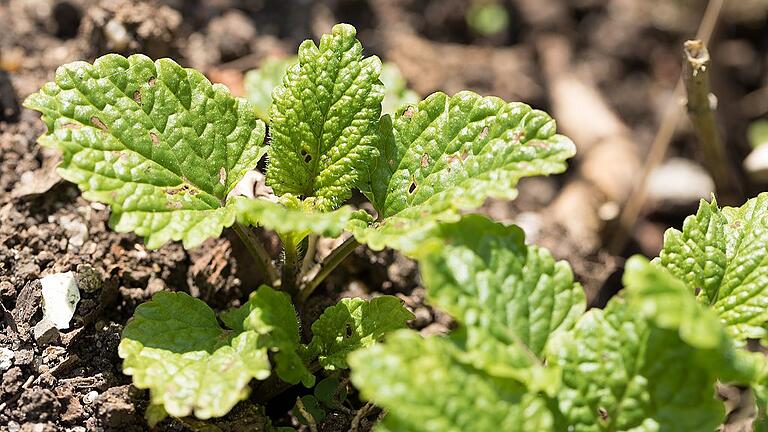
165 148
526 357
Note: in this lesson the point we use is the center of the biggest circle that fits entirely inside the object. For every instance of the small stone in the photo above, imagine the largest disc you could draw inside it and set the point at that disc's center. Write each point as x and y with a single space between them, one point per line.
88 278
6 359
13 426
90 397
756 164
24 357
679 182
46 332
60 298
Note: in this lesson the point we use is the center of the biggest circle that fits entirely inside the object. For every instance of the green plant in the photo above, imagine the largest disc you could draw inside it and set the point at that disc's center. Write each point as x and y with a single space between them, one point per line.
165 149
526 357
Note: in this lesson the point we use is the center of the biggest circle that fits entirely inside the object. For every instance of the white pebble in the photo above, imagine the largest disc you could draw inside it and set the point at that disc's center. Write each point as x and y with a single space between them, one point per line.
60 298
6 359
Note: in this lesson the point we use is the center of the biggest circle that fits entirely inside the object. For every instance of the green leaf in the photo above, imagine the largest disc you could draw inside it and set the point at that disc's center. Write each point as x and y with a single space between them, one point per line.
271 314
352 324
483 274
174 345
424 386
331 392
396 91
757 133
294 217
619 373
259 83
448 154
324 118
649 362
724 253
157 142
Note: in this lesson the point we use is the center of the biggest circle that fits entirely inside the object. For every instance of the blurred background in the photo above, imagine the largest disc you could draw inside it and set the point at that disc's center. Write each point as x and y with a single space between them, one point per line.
609 71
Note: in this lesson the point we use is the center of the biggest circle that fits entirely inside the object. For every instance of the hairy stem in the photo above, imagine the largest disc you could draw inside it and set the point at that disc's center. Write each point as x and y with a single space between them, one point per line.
313 278
290 270
259 254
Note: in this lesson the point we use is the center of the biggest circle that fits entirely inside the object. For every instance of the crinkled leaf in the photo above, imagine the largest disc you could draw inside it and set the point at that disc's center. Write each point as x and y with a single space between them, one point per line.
157 142
483 274
724 253
621 374
293 217
451 153
396 91
324 119
174 345
352 324
423 386
259 83
272 315
649 362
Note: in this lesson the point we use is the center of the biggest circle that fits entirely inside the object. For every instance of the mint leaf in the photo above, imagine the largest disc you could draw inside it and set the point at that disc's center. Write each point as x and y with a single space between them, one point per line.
424 386
483 274
294 217
396 92
324 118
451 153
271 314
174 345
259 83
724 253
352 324
619 373
157 142
649 362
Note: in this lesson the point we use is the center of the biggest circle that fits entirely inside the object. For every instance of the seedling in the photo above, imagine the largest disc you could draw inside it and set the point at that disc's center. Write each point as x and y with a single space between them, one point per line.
165 148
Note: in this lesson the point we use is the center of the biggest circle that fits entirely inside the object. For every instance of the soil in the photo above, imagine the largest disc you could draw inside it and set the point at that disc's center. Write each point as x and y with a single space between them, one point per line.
71 379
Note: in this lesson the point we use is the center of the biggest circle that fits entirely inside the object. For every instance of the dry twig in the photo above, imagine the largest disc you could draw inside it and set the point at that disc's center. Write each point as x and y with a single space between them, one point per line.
701 109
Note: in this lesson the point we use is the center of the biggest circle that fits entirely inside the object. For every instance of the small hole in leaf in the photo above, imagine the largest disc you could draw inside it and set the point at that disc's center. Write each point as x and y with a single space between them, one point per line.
348 330
137 96
308 158
412 187
151 81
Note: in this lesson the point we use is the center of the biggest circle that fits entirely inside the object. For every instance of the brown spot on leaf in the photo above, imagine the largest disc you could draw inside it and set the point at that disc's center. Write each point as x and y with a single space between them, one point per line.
603 413
484 133
424 160
464 154
409 112
151 81
99 124
72 126
154 138
182 188
223 176
538 143
137 96
174 205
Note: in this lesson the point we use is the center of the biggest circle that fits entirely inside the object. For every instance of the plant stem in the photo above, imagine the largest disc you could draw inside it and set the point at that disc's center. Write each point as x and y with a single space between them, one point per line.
259 254
701 111
307 415
290 270
324 268
633 206
309 257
